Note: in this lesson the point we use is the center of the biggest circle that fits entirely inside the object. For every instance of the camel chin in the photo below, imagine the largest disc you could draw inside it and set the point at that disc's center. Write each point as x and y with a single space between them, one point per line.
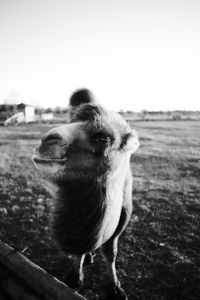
49 167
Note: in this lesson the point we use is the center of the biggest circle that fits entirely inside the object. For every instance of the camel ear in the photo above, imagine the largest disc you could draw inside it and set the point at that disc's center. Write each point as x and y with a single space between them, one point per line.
82 96
130 142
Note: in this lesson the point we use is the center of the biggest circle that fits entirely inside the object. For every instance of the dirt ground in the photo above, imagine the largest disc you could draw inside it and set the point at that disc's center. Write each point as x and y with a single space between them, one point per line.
159 254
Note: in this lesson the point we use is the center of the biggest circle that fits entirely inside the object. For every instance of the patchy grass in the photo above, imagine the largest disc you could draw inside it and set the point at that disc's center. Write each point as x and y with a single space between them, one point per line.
159 254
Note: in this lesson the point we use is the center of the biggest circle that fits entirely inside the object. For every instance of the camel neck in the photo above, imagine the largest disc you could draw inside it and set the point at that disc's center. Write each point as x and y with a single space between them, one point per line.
76 188
79 212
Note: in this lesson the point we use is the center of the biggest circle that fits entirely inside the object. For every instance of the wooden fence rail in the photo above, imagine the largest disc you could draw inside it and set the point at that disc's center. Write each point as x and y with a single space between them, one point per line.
22 279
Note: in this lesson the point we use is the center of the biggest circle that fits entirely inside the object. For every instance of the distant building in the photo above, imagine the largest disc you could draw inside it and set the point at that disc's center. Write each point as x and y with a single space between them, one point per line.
15 114
29 113
47 117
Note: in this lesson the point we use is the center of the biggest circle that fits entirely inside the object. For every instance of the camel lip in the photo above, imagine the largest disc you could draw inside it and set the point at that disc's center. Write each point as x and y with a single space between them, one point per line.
40 160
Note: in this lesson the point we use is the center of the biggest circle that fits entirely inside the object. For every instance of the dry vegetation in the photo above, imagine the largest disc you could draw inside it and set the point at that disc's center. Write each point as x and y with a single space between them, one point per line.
159 254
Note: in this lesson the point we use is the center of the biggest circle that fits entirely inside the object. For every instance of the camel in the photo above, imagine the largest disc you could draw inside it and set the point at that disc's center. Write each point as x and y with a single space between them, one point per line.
88 162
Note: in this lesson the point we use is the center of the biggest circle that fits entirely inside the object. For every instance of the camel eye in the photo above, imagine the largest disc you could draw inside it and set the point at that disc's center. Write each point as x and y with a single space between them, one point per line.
101 138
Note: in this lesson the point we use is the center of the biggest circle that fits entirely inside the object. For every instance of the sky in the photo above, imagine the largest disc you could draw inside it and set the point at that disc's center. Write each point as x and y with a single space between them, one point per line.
132 54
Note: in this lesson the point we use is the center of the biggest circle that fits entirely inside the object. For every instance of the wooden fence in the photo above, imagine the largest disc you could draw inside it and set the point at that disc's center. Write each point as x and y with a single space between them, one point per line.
22 279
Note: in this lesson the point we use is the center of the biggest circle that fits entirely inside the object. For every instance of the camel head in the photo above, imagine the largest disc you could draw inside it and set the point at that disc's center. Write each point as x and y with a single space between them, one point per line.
95 143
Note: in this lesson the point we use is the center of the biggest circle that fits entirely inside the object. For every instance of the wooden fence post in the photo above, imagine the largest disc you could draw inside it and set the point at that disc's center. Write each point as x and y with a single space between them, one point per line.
22 279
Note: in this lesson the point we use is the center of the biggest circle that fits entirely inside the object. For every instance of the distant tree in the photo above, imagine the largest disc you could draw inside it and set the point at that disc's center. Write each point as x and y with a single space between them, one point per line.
176 116
129 112
65 110
39 110
48 110
58 110
144 112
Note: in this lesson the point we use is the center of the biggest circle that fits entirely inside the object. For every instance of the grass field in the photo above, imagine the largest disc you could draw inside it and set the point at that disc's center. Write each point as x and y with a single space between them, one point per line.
159 254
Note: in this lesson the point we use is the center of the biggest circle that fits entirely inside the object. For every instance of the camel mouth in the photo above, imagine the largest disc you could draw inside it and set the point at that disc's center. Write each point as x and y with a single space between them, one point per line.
41 160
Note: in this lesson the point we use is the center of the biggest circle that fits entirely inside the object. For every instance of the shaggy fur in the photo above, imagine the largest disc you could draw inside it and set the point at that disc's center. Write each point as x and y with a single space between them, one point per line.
80 217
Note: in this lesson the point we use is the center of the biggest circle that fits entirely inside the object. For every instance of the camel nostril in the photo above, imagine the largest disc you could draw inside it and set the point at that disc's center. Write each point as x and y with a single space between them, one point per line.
52 139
